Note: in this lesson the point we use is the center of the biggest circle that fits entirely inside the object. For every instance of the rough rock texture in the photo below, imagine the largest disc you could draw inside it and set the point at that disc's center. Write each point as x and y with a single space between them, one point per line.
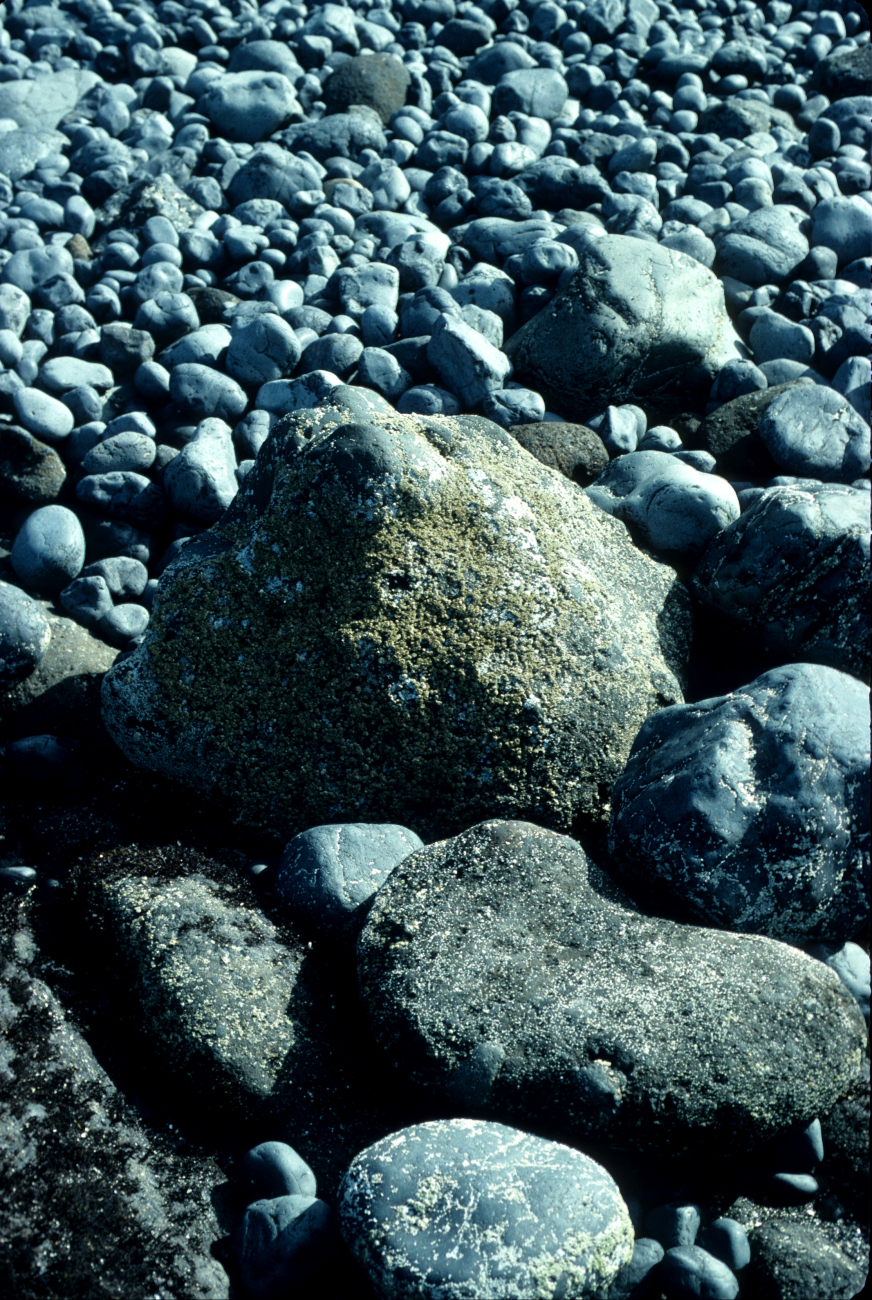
573 450
93 1203
462 1209
62 694
228 998
412 620
636 323
796 1261
505 970
793 573
844 73
752 809
732 435
378 80
29 470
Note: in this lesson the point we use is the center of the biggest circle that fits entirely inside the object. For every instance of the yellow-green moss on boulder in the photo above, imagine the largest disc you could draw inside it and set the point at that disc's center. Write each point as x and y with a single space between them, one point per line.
402 619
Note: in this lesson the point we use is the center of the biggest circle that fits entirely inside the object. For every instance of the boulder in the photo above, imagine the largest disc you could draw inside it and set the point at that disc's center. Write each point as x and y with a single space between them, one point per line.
793 573
506 972
408 620
635 323
732 434
716 805
572 449
538 1219
84 1178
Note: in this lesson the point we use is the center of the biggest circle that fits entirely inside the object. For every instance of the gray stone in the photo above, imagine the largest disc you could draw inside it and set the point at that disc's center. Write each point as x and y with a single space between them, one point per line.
201 481
123 575
86 599
635 323
539 92
538 1218
123 451
264 56
716 801
692 1271
327 876
32 267
146 1199
250 106
124 624
153 196
265 350
339 135
843 224
273 1169
284 1243
21 151
467 363
24 635
126 496
792 573
205 393
383 372
765 247
204 346
61 374
15 309
812 431
540 589
39 105
49 549
673 507
62 693
503 970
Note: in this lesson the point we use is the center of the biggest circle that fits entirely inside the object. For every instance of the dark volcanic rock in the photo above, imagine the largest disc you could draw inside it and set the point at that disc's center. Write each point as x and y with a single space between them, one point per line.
410 620
752 809
637 323
732 435
92 1201
572 449
844 73
29 470
378 80
793 573
506 971
795 1261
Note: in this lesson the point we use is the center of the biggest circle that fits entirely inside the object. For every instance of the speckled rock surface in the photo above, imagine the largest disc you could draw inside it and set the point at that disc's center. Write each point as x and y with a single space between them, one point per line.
93 1202
793 574
228 998
478 637
505 970
466 1210
796 1261
637 322
752 809
572 449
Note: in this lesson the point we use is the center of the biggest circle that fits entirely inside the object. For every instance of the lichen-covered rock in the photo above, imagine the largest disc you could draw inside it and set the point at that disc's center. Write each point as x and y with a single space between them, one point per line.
408 620
504 970
752 809
92 1199
636 323
227 997
462 1209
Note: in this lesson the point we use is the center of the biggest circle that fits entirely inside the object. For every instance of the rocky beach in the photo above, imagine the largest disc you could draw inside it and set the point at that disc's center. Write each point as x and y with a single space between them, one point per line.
434 649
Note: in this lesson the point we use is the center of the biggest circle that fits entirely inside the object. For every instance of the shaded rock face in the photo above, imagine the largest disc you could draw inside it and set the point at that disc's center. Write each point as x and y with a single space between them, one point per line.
378 80
793 573
752 809
572 449
520 1216
636 323
409 620
88 1192
503 969
732 434
224 994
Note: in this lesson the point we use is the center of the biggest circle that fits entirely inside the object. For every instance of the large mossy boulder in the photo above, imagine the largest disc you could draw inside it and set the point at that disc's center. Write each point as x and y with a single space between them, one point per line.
402 619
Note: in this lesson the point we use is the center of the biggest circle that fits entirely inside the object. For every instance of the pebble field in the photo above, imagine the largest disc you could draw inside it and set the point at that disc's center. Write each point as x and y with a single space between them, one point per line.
434 649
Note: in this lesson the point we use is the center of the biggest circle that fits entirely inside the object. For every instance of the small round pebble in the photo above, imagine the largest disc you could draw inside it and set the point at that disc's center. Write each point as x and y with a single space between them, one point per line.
274 1169
43 415
49 550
